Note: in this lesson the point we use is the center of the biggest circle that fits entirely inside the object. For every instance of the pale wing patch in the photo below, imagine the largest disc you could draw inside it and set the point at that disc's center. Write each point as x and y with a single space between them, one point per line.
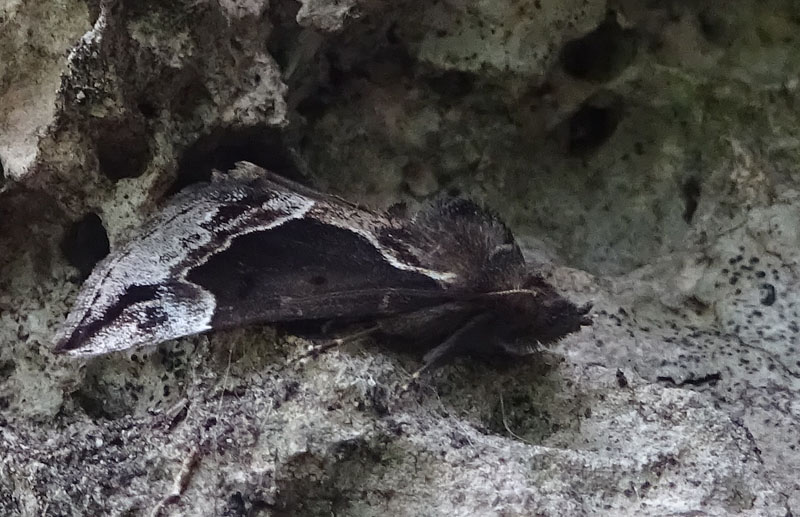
158 256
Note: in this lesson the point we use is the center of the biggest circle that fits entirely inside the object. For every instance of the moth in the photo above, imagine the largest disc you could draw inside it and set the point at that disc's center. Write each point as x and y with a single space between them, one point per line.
253 247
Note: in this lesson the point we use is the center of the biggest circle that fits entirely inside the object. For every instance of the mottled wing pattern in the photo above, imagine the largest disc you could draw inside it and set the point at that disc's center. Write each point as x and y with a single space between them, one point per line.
139 293
249 247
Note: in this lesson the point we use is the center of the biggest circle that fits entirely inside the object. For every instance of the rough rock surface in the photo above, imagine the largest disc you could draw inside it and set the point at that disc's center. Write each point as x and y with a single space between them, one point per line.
644 153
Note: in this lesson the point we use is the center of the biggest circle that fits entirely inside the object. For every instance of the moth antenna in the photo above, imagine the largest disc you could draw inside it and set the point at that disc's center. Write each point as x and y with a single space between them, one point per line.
493 294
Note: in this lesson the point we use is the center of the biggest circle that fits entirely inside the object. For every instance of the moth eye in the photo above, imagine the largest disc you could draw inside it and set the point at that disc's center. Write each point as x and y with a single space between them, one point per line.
317 280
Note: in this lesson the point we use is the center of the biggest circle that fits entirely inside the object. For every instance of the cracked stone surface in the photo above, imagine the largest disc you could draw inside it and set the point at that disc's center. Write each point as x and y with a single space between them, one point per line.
645 155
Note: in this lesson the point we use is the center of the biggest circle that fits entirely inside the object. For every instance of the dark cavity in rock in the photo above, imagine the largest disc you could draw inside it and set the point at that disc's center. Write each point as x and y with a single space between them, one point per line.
222 148
122 147
601 54
85 243
591 126
691 196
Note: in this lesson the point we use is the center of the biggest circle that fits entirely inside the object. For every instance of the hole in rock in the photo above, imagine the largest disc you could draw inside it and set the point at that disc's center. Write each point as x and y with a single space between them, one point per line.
221 149
601 54
122 148
592 125
85 243
452 84
147 108
713 27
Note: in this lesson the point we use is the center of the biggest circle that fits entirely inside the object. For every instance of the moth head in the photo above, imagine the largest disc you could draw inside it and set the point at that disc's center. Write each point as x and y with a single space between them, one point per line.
536 313
105 321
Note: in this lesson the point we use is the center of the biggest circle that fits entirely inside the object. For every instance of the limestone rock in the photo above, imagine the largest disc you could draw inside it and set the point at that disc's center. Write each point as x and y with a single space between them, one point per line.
645 154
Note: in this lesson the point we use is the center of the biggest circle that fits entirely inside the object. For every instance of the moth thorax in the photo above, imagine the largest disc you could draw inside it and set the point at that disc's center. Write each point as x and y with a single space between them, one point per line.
518 306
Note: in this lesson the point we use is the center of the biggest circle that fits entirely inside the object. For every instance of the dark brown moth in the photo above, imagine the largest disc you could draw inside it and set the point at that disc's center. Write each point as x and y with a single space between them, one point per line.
253 247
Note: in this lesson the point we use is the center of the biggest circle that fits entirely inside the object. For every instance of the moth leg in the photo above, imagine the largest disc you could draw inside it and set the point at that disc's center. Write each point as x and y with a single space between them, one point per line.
457 342
320 348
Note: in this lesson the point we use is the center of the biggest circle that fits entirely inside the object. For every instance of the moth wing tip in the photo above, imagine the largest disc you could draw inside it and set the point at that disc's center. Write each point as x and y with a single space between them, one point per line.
64 347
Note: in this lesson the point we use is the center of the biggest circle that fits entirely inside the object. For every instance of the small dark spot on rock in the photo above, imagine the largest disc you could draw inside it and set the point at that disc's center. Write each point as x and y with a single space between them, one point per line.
379 400
697 305
622 381
458 440
767 294
147 108
317 280
7 367
290 389
452 84
236 505
713 27
691 196
391 34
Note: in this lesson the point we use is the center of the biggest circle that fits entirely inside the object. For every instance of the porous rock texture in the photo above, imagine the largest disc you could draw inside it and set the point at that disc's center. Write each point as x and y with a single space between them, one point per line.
644 153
